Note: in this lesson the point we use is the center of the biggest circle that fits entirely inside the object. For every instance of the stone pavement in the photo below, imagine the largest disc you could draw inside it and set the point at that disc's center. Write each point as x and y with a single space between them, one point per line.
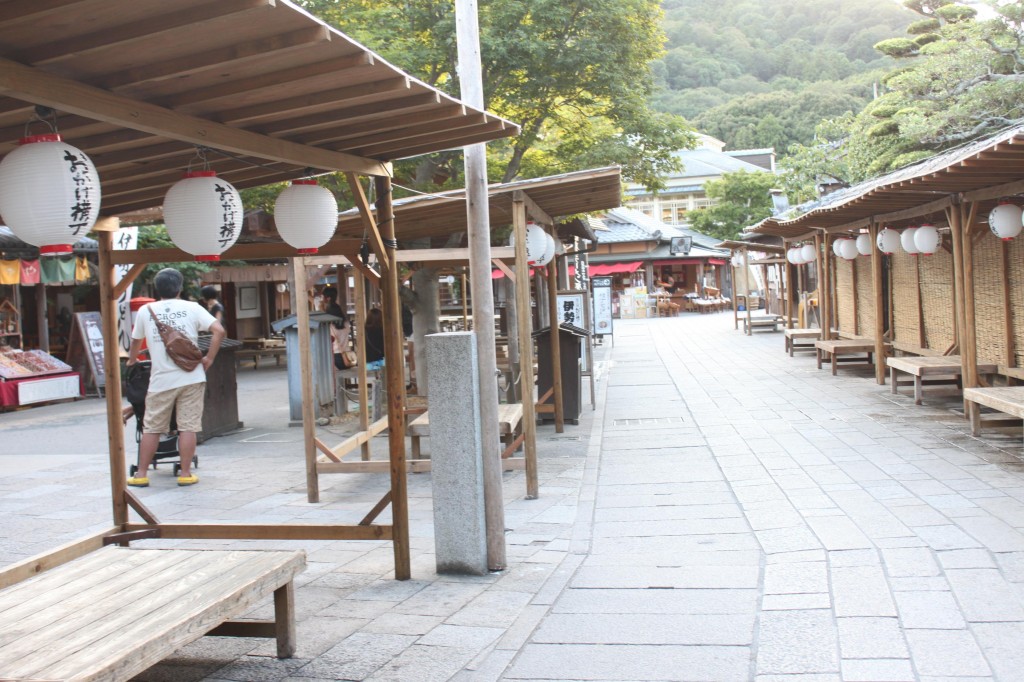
726 513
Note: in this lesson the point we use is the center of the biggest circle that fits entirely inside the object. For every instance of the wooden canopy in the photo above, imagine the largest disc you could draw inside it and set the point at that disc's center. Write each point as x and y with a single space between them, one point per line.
555 196
272 92
982 171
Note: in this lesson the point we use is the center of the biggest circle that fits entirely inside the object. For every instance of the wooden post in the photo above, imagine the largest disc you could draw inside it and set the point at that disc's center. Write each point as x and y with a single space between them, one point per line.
921 340
968 214
956 230
306 372
799 291
746 286
465 304
1011 344
735 299
525 325
512 322
42 323
556 345
853 284
364 390
876 280
112 368
822 265
394 370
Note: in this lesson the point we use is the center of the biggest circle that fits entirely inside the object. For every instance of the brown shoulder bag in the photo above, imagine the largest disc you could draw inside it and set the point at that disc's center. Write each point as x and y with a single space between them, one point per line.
179 347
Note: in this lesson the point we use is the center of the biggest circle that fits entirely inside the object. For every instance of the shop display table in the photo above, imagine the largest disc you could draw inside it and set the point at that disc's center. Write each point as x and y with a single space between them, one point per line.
33 390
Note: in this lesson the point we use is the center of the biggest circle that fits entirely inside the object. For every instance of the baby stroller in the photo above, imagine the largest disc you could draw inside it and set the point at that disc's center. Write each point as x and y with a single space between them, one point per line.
136 385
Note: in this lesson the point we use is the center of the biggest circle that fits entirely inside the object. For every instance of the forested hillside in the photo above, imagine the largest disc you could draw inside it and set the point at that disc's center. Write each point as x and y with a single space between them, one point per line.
763 73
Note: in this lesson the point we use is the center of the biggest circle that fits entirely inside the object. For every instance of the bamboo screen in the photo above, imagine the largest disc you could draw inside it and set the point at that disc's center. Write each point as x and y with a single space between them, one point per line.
990 329
937 299
865 298
844 296
1015 253
906 308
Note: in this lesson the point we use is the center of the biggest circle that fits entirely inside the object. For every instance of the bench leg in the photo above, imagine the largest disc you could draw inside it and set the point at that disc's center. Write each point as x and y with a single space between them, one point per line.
892 379
974 414
415 447
817 352
835 363
917 390
284 618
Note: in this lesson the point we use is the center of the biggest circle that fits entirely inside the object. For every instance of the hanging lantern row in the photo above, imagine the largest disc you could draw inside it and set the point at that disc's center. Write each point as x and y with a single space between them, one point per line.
801 255
1005 220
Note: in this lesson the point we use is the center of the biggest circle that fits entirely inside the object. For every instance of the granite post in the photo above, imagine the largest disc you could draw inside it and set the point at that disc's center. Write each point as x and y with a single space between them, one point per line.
456 453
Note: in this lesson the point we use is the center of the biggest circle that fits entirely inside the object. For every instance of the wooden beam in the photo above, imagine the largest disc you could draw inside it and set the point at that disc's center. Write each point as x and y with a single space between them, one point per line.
112 370
379 466
524 323
65 94
289 106
532 209
498 263
127 279
997 192
248 531
377 509
1008 316
335 247
372 231
359 438
306 377
141 509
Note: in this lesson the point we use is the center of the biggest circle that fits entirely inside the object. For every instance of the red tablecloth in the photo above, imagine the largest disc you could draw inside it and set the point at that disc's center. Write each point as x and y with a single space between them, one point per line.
9 387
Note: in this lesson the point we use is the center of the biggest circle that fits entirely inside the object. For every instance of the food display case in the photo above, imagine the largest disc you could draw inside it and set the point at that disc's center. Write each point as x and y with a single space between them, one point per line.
34 376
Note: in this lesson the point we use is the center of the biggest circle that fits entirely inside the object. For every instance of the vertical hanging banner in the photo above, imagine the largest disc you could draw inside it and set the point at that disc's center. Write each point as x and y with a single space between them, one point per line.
602 288
581 275
126 239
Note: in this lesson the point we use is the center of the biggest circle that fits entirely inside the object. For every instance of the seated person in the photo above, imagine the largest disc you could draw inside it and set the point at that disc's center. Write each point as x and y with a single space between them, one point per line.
374 338
340 331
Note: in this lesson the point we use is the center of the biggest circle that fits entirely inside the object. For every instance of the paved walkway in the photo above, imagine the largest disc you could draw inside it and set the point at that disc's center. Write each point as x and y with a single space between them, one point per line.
726 513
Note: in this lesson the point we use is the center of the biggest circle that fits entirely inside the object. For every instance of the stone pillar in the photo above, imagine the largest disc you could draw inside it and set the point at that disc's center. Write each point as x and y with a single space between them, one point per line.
456 453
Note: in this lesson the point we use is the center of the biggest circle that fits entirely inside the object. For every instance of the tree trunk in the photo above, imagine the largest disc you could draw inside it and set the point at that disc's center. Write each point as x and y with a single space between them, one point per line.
426 311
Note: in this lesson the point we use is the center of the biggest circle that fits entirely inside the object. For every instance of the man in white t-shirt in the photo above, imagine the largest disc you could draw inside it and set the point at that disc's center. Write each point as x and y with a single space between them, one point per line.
172 390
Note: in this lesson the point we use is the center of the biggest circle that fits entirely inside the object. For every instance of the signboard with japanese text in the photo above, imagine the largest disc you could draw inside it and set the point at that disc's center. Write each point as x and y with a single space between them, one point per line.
126 239
602 293
570 309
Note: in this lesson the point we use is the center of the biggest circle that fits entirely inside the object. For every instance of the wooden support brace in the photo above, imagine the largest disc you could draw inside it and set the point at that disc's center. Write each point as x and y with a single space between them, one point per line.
326 450
513 446
377 509
141 509
123 539
376 242
127 279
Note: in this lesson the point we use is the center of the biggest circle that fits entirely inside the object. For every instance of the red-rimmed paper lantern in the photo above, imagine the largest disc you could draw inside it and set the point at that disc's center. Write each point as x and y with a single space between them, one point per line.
848 249
907 241
306 215
203 214
864 244
888 241
927 239
537 244
49 193
1004 220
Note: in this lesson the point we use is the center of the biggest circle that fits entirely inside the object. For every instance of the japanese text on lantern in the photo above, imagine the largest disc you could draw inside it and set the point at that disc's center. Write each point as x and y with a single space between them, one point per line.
81 211
229 217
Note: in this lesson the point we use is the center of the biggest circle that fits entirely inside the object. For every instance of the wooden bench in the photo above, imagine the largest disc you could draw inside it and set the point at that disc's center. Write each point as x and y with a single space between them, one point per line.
795 335
254 354
1006 399
116 611
937 370
846 351
763 322
510 421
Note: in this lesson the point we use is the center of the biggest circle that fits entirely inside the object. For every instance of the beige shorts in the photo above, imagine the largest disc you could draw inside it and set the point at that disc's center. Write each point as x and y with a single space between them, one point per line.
188 400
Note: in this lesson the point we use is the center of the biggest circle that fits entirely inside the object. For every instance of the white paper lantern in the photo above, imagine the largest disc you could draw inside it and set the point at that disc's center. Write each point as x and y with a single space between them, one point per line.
550 249
737 260
536 243
888 241
306 215
203 215
927 239
793 255
808 254
49 193
1004 220
837 246
907 241
864 244
848 249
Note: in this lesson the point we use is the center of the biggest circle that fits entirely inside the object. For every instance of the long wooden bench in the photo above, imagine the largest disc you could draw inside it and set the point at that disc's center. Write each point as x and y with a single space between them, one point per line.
793 336
940 370
845 351
510 421
116 611
1006 399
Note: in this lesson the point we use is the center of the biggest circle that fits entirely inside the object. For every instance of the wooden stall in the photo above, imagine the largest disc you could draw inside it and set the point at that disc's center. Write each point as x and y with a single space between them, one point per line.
960 302
264 93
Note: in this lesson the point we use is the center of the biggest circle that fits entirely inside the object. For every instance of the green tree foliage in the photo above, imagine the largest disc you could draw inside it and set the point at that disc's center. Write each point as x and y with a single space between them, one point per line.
731 62
574 74
741 199
961 77
156 237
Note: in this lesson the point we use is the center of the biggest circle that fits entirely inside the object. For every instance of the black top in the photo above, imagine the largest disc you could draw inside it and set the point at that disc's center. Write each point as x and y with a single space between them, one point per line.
217 309
374 344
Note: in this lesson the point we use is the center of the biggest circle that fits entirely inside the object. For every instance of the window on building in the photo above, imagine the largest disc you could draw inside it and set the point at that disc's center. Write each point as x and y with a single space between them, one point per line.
674 212
648 208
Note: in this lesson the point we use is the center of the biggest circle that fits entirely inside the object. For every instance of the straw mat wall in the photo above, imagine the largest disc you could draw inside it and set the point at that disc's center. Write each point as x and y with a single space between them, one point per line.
905 305
844 296
1015 252
937 299
988 300
865 298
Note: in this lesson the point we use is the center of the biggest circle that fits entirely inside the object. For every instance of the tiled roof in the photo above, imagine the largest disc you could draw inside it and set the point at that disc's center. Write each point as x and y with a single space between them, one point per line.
629 225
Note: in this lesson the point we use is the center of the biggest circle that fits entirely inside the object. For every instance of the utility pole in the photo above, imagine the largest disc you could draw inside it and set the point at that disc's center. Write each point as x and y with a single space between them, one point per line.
479 229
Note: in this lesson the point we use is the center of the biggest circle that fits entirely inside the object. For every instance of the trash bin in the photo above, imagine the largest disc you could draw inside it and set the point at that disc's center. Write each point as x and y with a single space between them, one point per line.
570 339
321 356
